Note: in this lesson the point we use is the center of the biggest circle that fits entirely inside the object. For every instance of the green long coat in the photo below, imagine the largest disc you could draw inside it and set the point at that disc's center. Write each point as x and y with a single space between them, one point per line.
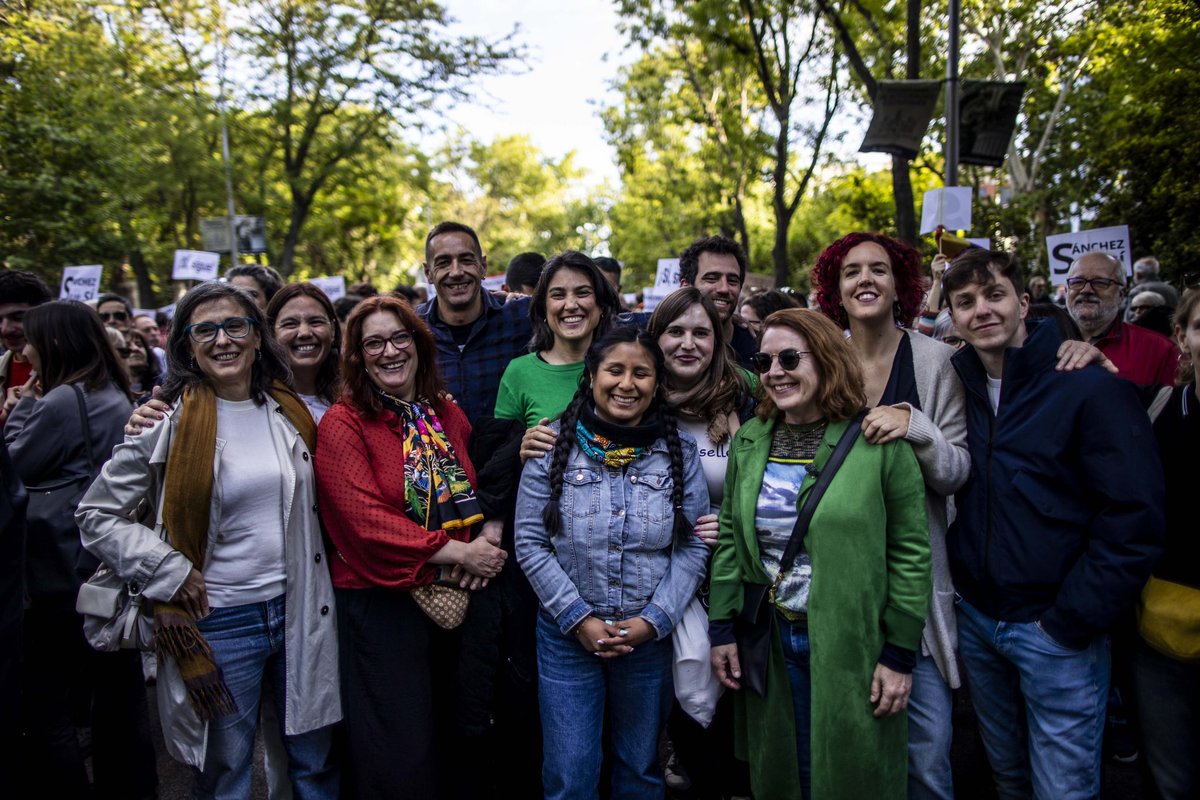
871 583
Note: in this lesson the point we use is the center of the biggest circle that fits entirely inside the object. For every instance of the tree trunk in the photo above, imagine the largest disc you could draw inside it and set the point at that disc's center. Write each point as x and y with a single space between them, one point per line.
300 209
902 191
783 217
143 290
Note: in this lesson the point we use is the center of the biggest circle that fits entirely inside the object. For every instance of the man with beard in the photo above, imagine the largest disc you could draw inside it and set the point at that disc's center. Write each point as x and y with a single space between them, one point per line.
716 265
1095 290
477 334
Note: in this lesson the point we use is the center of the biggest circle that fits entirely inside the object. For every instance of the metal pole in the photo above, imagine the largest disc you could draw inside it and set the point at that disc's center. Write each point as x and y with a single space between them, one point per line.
221 103
952 97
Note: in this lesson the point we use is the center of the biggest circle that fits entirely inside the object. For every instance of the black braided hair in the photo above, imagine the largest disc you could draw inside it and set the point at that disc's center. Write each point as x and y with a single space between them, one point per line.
566 431
675 449
562 449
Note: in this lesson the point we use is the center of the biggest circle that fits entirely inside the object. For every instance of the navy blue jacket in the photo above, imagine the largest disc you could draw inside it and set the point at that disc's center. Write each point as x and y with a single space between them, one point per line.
1062 518
472 372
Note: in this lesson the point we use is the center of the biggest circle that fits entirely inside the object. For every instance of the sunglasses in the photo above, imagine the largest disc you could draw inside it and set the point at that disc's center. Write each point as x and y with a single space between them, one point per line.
113 316
788 359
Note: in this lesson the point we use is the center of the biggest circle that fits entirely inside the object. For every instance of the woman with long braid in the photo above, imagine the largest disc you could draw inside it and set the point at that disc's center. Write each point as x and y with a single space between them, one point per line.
605 534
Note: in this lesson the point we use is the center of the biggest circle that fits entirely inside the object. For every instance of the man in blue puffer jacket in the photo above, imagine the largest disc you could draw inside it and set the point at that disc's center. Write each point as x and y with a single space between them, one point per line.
1058 528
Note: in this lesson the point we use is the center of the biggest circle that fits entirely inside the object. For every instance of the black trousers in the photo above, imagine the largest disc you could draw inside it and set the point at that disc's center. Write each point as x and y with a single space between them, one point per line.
59 669
397 672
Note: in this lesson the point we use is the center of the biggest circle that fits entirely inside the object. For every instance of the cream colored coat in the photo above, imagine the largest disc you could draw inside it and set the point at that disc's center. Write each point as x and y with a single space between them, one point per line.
121 521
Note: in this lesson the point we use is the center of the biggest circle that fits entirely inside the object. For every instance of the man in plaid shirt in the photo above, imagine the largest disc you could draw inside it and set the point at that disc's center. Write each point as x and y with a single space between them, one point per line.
477 334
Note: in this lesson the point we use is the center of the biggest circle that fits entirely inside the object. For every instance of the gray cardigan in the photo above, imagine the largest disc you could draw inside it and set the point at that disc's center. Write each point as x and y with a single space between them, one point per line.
45 437
938 435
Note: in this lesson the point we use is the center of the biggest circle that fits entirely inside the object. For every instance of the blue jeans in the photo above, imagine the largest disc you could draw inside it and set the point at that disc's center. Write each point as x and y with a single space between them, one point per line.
930 730
576 691
1040 706
794 639
247 643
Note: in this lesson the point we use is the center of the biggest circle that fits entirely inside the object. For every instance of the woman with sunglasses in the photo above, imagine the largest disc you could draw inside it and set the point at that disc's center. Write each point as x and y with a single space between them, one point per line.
398 501
847 613
211 515
872 285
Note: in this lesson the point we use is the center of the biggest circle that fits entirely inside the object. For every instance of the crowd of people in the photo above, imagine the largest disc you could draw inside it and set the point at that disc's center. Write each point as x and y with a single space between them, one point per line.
462 547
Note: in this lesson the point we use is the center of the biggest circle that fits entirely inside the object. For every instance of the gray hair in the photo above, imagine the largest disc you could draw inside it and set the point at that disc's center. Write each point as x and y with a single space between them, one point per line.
1147 266
1149 297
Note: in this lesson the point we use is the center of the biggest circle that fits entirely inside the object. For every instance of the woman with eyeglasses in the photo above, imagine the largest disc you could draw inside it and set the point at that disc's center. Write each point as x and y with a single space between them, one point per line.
846 614
61 431
398 500
211 515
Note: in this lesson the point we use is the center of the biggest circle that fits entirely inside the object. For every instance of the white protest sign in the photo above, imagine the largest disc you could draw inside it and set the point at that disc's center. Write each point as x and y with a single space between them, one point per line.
493 283
630 299
949 207
169 311
986 244
195 265
333 286
80 283
1064 248
651 295
668 274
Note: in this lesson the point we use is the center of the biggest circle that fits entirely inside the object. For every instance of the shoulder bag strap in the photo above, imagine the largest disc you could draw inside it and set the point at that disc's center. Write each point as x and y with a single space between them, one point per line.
848 437
87 430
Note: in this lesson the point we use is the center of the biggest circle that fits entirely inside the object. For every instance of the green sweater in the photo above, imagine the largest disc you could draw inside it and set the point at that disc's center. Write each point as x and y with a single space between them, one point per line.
532 390
871 584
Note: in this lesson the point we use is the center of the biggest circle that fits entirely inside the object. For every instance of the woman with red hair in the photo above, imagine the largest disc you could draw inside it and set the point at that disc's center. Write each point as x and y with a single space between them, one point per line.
397 495
871 285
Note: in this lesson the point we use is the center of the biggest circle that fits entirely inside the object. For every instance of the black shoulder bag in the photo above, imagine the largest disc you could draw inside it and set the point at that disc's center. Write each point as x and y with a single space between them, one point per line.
752 628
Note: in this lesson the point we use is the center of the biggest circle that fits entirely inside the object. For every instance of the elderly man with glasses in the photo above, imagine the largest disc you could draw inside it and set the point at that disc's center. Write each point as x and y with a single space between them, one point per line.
1095 291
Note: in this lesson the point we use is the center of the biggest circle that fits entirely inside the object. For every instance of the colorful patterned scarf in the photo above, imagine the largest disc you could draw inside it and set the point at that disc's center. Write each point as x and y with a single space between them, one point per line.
438 493
616 446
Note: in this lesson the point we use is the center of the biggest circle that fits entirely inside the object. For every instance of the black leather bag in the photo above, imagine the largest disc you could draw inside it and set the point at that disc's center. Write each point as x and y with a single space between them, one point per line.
55 561
753 627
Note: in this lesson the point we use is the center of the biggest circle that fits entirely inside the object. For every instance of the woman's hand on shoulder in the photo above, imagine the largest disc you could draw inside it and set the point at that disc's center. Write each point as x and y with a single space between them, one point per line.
145 416
885 424
889 691
724 658
708 530
538 440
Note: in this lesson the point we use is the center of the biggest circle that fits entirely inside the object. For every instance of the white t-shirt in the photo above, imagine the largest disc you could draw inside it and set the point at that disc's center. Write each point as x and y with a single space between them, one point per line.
714 458
316 405
993 387
247 563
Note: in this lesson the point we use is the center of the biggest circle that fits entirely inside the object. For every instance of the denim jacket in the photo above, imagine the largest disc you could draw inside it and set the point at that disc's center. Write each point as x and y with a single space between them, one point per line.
614 557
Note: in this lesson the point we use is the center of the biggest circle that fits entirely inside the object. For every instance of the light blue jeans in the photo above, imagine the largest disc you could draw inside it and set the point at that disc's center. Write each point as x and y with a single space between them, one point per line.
930 731
1040 706
577 690
247 643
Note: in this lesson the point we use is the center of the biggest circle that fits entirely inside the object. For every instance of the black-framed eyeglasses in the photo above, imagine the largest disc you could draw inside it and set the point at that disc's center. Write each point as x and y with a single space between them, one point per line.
788 359
205 332
123 352
1097 284
113 316
1191 280
376 344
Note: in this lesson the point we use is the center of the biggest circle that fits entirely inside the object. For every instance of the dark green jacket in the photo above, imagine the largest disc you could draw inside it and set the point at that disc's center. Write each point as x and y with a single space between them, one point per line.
869 545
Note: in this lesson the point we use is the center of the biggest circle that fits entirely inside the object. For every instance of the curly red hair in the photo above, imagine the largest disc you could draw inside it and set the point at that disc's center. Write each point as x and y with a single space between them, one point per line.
906 270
